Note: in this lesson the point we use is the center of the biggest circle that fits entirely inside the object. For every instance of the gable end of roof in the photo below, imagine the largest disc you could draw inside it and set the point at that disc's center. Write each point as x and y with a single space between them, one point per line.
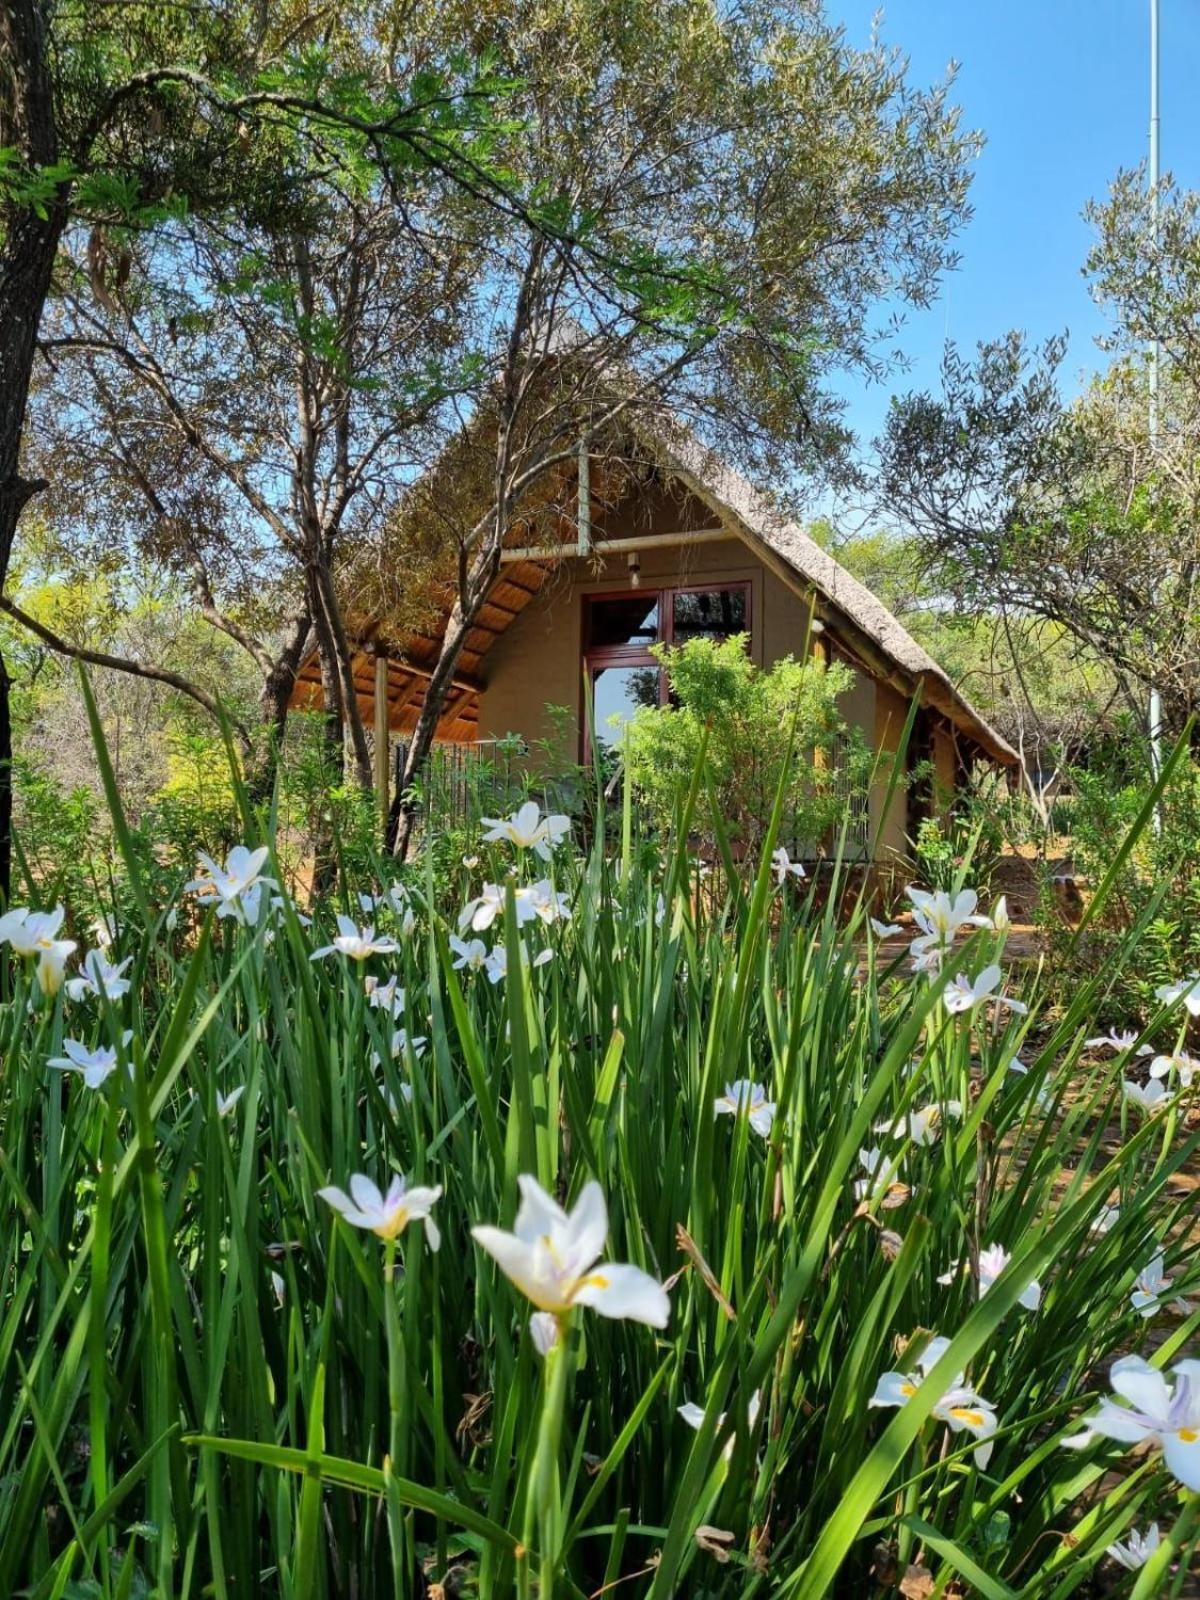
760 523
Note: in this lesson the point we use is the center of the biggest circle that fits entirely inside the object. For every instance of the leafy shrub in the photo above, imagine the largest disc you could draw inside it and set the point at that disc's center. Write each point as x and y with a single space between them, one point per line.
196 809
61 836
936 858
972 828
1156 890
743 719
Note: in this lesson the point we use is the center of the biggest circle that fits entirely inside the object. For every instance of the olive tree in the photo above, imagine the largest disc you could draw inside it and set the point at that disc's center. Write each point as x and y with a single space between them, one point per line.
118 115
739 188
1077 513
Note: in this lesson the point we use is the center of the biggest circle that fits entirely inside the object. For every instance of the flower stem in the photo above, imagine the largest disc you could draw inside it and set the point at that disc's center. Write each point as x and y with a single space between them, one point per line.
398 1532
543 1508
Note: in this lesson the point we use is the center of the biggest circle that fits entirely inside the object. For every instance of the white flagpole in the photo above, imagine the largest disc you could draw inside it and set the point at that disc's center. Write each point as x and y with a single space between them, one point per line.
1155 697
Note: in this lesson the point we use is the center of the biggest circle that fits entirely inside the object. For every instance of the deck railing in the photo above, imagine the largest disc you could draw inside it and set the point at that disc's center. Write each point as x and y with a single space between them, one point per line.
855 797
463 782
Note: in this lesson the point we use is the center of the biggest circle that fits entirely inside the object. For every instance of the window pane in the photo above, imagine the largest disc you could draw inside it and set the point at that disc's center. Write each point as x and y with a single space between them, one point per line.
619 692
623 619
708 613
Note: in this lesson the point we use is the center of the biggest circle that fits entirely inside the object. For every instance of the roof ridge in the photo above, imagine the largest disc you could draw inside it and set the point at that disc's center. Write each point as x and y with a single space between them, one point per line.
715 479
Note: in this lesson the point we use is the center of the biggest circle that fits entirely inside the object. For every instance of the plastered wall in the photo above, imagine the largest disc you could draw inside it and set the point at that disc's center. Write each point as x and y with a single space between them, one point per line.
537 662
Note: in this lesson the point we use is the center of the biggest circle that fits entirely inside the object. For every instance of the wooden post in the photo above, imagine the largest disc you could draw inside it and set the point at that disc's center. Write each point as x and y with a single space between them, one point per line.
584 527
382 785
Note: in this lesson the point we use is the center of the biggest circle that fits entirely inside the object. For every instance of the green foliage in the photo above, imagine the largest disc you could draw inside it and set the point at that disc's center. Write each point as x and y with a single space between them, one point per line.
968 827
756 729
67 851
26 188
213 1385
196 808
1158 888
165 749
935 855
60 836
1078 513
1032 680
315 804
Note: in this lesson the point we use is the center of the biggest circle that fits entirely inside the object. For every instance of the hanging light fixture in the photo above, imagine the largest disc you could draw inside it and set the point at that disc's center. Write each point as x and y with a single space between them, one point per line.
634 562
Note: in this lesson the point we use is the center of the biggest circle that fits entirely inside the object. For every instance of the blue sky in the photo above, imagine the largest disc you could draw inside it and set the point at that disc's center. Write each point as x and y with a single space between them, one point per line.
1060 88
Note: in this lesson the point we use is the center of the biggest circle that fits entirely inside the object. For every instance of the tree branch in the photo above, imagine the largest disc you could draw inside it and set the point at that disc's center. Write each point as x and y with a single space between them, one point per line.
135 669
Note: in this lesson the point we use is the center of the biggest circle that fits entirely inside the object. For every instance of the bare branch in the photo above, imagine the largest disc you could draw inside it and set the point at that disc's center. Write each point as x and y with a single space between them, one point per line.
135 669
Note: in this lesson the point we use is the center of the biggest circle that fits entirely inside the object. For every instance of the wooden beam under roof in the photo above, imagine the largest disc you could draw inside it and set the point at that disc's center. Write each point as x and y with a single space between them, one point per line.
606 547
406 694
460 680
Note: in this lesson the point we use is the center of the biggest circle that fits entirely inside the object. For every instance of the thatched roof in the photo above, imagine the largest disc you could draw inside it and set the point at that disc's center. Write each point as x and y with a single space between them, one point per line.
857 619
848 602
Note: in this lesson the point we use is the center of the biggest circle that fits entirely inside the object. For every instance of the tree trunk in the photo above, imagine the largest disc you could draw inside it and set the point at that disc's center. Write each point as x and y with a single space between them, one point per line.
324 859
30 244
426 728
6 787
334 727
459 623
342 664
273 704
324 863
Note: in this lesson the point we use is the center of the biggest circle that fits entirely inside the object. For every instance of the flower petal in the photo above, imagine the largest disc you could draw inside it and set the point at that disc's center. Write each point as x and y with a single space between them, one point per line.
625 1292
1181 1452
539 1213
543 1330
365 1193
933 1352
343 1205
1119 1423
762 1117
893 1389
521 1263
588 1224
1141 1384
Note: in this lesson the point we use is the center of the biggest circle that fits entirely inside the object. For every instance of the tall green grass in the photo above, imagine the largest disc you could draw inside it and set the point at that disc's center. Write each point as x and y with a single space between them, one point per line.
209 1385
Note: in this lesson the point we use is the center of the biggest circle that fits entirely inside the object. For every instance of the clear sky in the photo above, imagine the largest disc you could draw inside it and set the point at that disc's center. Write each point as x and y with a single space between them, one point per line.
1060 88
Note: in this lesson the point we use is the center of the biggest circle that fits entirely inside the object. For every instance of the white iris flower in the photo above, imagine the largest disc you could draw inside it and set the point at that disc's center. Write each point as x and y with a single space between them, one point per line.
528 830
746 1098
386 1215
357 943
551 1257
1157 1412
960 1408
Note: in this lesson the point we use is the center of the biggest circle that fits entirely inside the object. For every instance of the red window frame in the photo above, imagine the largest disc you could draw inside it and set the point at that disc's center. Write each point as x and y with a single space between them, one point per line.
638 655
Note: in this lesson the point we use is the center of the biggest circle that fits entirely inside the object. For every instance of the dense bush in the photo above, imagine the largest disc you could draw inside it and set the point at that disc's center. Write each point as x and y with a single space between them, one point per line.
67 851
753 727
60 834
971 826
1155 887
222 1376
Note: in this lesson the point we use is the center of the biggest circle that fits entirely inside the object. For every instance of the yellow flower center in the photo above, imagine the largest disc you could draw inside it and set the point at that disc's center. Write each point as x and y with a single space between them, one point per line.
1189 1435
394 1225
972 1419
908 1389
